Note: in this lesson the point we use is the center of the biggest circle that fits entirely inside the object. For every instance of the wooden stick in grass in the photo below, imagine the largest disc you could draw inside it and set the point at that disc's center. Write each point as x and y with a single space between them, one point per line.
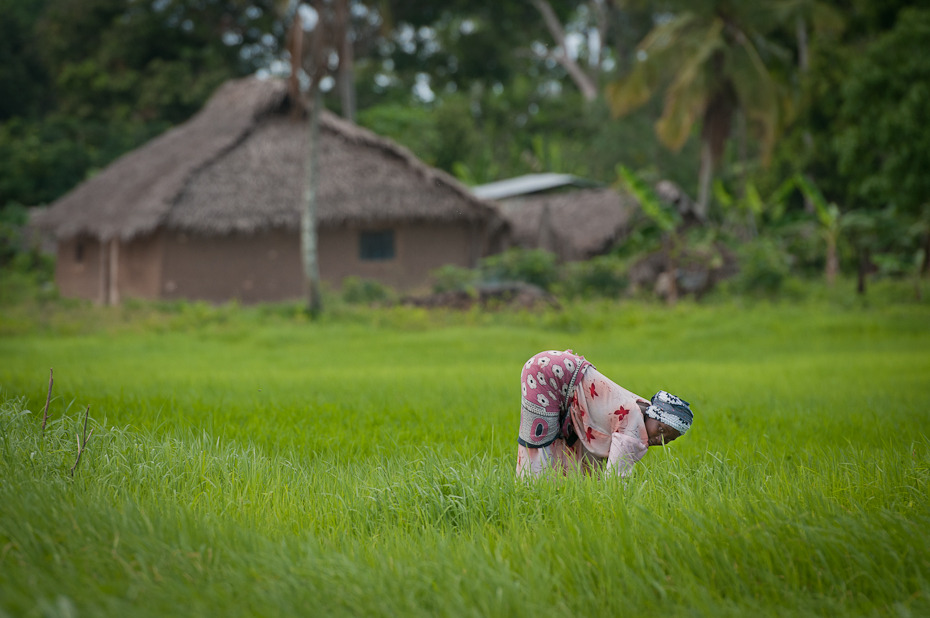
47 399
82 444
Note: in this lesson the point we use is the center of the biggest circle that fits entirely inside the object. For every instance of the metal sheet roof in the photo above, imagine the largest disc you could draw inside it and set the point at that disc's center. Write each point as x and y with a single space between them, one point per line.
527 184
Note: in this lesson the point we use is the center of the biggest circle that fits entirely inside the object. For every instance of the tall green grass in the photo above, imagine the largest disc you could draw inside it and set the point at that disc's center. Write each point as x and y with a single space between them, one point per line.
244 462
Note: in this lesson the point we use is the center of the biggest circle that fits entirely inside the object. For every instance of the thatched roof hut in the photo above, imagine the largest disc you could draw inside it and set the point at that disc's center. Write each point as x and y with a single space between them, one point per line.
236 170
573 224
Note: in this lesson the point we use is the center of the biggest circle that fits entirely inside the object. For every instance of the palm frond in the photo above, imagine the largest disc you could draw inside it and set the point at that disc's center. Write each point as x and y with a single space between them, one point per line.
627 94
688 94
665 218
666 36
759 95
653 63
683 106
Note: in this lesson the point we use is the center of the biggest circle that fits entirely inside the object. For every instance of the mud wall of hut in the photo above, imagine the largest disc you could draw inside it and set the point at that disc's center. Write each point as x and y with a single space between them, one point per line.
418 249
138 267
78 268
250 268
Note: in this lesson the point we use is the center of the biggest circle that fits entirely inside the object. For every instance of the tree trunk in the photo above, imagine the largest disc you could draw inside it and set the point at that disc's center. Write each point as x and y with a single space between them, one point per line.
801 32
833 263
742 150
671 266
925 266
704 179
295 46
308 232
345 75
803 67
346 79
862 271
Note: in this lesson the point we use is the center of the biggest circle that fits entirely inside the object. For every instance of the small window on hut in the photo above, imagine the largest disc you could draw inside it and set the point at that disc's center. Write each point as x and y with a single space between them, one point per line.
376 245
79 252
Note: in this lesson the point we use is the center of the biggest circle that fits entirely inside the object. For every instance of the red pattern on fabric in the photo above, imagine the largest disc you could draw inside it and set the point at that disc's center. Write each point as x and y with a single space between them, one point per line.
609 428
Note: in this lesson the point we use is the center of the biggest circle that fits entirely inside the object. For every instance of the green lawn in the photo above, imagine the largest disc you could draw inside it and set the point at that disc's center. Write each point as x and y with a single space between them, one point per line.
248 462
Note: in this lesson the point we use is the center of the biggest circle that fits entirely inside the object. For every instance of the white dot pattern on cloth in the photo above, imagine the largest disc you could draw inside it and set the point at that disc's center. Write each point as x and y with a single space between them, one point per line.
544 386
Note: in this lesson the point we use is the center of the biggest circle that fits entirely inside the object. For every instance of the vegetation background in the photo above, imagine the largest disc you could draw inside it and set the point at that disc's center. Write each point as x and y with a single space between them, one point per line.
799 126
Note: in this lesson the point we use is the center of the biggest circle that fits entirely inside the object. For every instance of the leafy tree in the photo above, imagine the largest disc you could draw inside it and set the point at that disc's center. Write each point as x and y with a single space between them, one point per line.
871 232
713 62
95 78
836 46
150 60
21 68
883 145
41 159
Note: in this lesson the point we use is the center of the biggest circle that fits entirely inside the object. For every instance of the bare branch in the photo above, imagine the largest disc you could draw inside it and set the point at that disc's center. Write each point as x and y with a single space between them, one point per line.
603 21
82 443
295 47
48 399
552 21
584 82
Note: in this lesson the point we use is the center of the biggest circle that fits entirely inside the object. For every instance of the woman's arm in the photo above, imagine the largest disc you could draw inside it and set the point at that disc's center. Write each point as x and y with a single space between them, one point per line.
625 451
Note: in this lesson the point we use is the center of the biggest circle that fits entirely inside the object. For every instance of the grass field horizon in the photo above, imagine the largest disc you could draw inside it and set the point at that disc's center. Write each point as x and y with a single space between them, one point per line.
248 462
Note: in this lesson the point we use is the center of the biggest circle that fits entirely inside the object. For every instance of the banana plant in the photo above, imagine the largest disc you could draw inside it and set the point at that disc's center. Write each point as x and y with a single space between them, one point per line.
750 204
665 218
830 219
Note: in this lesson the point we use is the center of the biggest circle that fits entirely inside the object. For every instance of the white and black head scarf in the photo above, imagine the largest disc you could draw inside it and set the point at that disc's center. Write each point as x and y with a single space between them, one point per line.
669 409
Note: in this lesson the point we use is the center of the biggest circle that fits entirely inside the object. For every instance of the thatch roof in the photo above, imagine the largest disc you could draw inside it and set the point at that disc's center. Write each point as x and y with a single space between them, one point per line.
575 225
238 165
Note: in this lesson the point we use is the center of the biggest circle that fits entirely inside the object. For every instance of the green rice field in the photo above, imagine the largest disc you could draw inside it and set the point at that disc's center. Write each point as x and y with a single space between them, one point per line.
249 462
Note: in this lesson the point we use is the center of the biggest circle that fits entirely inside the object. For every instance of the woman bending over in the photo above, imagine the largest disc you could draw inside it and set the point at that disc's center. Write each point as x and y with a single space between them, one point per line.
574 419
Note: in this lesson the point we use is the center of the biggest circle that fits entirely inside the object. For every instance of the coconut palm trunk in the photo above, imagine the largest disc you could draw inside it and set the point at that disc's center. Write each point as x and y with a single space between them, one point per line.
329 36
308 230
345 74
705 178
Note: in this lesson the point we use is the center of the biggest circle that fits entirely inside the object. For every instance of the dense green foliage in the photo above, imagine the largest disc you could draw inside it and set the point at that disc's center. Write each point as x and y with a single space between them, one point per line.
96 78
885 142
245 461
830 92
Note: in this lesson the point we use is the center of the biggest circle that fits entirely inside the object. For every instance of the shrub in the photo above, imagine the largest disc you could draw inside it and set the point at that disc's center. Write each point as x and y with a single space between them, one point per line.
534 266
356 290
764 267
602 276
451 278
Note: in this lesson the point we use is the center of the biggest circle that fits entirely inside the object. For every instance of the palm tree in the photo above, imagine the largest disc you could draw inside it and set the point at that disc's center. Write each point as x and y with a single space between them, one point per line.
712 66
